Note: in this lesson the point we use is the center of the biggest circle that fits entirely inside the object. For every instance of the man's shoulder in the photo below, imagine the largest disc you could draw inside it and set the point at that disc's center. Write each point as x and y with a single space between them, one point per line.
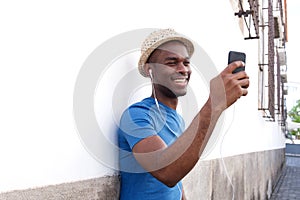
142 109
146 104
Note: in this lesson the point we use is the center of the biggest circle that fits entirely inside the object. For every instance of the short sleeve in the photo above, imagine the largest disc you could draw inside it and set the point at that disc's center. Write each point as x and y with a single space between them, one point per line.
136 124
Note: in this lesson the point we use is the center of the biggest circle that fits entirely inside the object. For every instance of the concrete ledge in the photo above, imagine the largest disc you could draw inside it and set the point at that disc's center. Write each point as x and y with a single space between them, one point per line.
253 176
104 188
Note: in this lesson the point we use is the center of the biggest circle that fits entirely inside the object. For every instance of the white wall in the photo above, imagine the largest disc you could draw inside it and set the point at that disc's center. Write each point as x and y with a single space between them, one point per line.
43 47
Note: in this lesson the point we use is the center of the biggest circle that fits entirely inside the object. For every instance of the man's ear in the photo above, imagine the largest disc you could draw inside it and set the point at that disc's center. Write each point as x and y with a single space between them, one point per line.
147 69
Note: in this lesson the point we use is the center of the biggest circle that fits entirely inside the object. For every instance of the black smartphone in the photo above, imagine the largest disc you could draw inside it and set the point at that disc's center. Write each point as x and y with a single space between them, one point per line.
235 56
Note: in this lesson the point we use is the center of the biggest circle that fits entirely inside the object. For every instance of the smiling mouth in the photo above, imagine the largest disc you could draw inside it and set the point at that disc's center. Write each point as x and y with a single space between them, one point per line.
181 80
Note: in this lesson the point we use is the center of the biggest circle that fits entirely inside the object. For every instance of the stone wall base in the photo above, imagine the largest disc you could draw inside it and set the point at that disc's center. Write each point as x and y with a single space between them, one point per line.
253 176
104 188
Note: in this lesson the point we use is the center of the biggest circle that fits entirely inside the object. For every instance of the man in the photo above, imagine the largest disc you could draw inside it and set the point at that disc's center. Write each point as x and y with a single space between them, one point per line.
156 151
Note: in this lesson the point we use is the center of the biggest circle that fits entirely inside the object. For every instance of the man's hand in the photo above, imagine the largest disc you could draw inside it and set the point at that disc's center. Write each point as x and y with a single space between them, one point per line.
227 88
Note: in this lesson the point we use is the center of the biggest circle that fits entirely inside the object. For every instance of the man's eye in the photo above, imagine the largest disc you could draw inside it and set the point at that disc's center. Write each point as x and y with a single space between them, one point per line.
186 63
171 63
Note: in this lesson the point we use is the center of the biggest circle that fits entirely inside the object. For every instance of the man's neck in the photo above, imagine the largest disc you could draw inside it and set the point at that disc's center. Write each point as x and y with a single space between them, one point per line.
170 102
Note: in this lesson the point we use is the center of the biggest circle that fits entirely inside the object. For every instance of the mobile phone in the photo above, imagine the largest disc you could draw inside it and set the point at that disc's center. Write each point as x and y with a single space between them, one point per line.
237 56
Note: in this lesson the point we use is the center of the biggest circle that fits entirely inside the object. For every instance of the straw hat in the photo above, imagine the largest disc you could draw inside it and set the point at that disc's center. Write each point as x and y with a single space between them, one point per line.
157 38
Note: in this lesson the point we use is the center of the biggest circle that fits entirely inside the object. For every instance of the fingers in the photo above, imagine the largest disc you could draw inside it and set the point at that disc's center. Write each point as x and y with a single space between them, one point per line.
227 88
241 75
238 83
245 92
242 87
244 83
234 65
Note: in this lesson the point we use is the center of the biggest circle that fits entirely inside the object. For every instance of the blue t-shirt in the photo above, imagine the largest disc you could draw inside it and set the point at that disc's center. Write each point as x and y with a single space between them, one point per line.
139 121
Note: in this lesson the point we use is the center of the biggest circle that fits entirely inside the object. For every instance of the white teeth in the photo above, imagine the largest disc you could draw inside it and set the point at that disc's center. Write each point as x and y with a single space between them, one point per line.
180 80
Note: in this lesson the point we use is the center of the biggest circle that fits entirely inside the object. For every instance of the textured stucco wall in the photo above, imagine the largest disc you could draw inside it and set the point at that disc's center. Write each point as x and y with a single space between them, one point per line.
253 176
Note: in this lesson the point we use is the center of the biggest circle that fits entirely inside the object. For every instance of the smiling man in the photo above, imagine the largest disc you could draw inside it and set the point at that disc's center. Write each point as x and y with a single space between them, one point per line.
156 150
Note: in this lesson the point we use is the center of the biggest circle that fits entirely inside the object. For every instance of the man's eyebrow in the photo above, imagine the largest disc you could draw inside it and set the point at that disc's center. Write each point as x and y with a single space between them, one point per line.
176 58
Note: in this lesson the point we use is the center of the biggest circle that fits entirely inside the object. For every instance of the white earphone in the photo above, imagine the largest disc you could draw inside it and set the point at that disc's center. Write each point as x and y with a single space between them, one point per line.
150 73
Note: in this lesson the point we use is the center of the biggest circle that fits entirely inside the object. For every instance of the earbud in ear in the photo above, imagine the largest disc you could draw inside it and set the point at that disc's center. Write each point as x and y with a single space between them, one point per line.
150 73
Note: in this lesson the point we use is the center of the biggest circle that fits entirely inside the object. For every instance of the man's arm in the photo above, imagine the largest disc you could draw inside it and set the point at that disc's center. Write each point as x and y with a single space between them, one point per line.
171 164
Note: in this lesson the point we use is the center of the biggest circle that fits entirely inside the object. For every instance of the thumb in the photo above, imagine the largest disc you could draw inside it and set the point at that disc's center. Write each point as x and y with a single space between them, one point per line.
234 65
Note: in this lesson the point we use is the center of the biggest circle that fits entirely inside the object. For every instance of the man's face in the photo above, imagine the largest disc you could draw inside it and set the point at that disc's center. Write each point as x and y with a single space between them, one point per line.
171 71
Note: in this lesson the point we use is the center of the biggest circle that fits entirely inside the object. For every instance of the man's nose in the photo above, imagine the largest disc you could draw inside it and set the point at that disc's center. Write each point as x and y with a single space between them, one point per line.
182 68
